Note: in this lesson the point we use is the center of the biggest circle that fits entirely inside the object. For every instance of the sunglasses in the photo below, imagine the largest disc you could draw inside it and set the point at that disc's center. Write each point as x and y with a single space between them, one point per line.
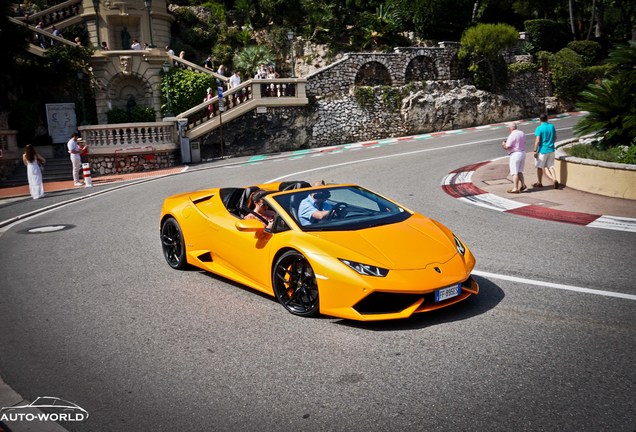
322 195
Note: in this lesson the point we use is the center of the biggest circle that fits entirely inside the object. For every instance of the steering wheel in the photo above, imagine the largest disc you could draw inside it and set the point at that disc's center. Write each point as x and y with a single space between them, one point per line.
338 211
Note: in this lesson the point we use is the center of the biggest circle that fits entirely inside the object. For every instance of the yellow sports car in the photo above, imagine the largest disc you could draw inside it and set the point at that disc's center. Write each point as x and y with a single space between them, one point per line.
337 249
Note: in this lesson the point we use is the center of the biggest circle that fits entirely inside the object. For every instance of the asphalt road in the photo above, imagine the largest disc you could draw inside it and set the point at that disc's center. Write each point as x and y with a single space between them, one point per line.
92 314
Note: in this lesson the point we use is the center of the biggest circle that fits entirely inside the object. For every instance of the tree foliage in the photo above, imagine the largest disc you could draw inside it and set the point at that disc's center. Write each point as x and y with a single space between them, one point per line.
484 45
612 103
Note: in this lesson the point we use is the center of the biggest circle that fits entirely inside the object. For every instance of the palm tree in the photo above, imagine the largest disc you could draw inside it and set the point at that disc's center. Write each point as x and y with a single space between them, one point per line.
251 57
612 103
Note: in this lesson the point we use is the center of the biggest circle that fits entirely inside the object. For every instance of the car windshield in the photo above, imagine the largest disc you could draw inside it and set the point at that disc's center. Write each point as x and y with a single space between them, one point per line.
350 208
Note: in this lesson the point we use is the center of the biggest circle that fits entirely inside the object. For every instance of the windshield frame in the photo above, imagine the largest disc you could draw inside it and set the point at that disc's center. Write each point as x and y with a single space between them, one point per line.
359 214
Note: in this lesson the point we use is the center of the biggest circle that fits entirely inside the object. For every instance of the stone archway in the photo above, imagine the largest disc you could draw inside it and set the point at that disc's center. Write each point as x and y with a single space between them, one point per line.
373 73
421 68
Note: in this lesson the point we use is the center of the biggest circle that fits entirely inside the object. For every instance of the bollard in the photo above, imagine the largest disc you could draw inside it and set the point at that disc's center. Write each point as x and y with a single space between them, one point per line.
86 170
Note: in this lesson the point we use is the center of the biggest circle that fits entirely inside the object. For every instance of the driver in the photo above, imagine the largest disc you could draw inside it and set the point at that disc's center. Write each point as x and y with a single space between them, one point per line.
314 208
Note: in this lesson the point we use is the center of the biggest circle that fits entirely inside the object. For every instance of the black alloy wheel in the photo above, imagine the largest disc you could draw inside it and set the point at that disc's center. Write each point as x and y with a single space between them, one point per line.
173 244
295 284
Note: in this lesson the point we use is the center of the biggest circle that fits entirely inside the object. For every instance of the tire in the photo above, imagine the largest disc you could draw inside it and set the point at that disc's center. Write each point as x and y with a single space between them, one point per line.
295 284
173 244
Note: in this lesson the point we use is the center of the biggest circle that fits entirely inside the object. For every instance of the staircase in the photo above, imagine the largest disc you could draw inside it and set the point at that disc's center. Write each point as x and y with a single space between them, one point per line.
58 169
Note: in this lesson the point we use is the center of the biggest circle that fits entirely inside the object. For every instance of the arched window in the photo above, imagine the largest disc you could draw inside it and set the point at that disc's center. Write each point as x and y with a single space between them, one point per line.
373 74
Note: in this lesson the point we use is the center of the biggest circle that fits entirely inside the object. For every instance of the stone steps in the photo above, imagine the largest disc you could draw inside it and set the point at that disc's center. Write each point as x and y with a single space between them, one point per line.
56 169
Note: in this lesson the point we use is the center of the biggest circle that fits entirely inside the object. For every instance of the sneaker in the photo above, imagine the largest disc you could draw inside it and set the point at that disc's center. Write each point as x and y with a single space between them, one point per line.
78 184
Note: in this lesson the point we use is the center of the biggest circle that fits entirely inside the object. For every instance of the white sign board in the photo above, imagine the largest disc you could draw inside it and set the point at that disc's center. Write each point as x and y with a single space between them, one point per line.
62 121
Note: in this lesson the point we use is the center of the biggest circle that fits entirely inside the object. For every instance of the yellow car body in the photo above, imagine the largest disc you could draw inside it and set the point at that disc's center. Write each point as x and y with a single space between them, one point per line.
388 263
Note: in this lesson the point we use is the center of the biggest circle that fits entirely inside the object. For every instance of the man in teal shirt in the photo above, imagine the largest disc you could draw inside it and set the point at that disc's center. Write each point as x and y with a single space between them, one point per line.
544 151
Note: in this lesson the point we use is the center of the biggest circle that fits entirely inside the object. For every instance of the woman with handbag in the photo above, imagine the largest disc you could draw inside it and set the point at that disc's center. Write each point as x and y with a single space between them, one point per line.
34 162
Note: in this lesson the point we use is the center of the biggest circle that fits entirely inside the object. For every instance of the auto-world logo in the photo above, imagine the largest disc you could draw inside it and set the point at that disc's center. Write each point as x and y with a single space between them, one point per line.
44 408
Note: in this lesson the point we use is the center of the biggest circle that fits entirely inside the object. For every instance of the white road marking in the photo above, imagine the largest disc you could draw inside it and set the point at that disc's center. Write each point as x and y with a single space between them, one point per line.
555 285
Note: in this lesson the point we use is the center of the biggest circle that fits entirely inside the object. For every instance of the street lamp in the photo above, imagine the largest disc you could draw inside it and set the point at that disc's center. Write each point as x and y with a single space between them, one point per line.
166 70
96 7
148 4
290 36
80 77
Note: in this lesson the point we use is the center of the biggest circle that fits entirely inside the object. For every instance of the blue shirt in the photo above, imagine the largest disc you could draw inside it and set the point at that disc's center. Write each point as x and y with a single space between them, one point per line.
547 134
307 207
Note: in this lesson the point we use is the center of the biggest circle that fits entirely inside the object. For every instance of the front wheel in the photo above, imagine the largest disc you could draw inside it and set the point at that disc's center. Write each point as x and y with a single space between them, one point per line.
173 244
295 284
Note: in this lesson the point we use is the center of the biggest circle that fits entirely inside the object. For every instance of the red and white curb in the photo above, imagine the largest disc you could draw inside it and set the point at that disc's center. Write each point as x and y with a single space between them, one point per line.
458 184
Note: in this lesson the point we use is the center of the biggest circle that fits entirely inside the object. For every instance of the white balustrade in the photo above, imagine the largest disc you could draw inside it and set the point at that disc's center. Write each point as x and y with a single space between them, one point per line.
130 137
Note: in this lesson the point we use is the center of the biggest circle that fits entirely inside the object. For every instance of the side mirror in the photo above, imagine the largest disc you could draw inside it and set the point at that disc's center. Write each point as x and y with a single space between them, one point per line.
249 225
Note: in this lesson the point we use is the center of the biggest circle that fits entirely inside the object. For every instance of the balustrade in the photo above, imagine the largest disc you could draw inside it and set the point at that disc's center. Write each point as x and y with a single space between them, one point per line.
129 137
58 13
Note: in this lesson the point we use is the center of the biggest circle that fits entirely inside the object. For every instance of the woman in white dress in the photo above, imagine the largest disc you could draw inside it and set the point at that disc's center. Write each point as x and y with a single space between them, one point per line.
32 160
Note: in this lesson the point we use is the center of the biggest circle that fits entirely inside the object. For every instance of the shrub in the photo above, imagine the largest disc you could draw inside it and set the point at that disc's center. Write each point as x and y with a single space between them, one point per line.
588 50
546 35
518 68
136 115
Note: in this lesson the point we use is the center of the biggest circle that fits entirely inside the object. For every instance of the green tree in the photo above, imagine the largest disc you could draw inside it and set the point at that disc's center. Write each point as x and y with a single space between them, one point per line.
484 44
612 103
249 59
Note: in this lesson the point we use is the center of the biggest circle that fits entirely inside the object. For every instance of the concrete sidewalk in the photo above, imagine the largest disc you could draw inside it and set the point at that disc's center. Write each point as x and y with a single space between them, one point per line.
54 186
486 183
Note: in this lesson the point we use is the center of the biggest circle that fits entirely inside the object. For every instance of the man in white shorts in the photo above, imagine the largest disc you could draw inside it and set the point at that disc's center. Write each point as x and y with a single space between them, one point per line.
515 145
544 151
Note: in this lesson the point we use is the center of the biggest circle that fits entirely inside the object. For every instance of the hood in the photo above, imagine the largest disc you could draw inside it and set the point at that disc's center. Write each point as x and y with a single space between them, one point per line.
412 244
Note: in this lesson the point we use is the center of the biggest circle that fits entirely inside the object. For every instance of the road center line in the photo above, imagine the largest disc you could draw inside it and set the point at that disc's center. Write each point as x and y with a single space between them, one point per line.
555 285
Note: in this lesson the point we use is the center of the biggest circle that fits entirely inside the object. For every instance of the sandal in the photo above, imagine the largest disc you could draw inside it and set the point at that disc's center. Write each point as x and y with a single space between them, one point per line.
537 184
523 188
514 191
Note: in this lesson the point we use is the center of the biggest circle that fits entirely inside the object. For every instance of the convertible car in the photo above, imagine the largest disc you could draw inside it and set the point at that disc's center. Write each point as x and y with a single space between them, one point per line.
367 259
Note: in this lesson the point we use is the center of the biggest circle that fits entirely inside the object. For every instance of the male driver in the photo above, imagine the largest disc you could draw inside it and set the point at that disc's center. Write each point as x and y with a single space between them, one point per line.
544 151
314 208
76 159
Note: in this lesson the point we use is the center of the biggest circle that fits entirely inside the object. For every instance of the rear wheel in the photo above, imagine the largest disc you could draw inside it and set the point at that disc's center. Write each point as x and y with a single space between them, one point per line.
173 244
295 284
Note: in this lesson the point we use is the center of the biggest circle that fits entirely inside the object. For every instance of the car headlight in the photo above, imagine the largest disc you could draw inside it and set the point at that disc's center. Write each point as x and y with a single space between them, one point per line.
365 269
460 247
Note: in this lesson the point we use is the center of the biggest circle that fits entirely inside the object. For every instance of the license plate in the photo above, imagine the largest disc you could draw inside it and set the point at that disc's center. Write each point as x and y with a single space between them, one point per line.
446 293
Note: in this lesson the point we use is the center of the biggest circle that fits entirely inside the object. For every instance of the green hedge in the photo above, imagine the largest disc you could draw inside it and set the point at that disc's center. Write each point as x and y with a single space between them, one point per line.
546 35
590 51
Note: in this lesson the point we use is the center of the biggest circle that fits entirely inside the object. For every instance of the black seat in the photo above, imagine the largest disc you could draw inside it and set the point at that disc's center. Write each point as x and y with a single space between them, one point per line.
244 199
290 185
235 198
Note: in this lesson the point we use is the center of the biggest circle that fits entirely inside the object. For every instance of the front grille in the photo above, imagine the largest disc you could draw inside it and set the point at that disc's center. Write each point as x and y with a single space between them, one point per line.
382 302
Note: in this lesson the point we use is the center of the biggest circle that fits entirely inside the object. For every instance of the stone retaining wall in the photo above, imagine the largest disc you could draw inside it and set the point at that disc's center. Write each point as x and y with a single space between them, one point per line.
130 163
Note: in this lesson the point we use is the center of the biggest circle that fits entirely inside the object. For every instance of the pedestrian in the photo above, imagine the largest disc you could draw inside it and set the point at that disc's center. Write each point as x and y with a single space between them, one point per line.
207 97
105 46
182 56
55 32
208 63
544 151
74 150
262 72
41 40
136 45
34 163
221 70
169 50
78 41
235 79
515 145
